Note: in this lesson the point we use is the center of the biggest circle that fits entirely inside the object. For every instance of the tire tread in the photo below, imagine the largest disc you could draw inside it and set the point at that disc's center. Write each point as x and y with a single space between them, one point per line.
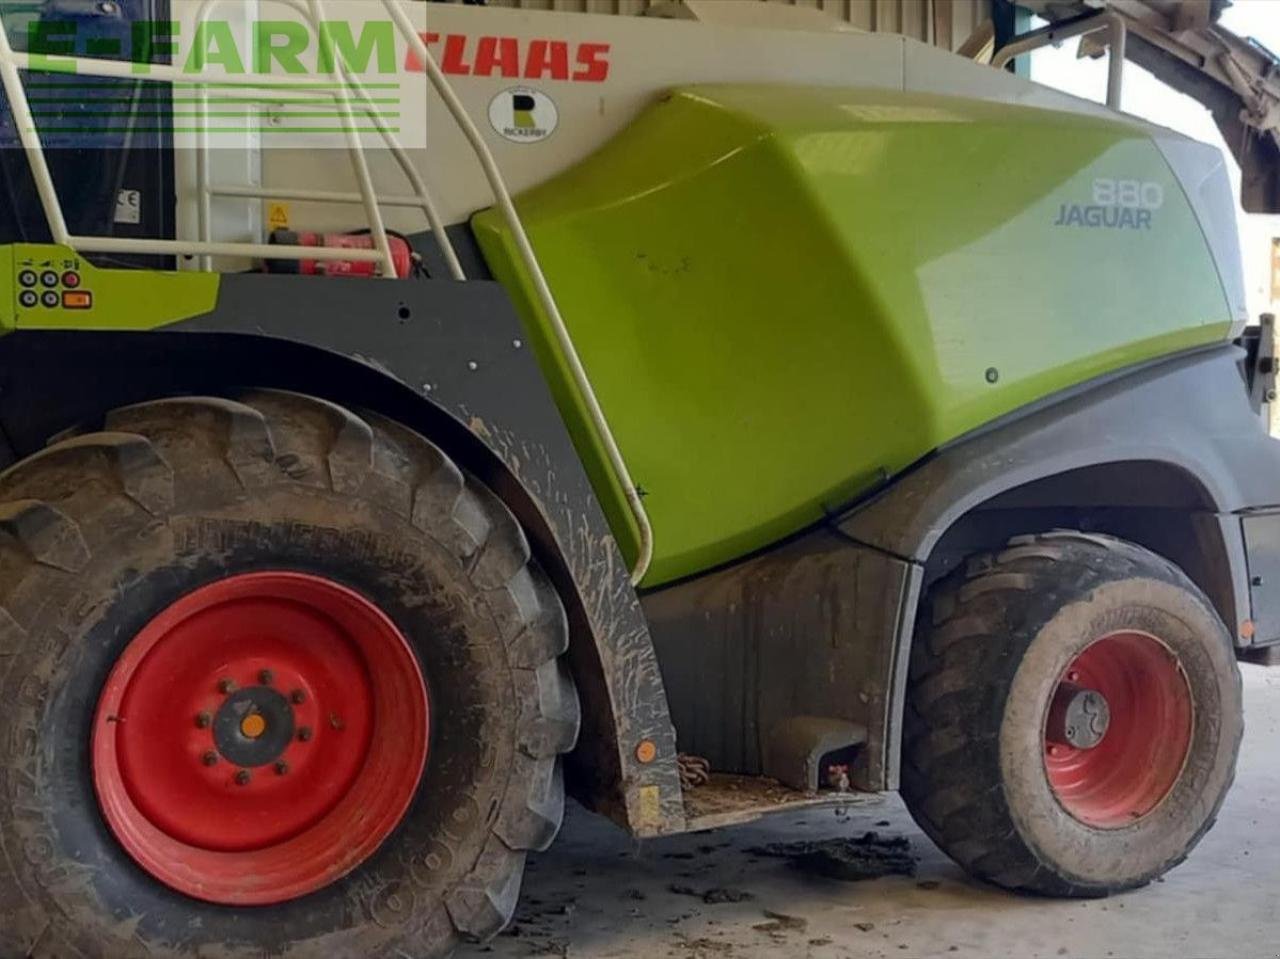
266 438
971 613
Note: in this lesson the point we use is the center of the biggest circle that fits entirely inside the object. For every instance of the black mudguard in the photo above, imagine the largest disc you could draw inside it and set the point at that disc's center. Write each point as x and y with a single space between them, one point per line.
458 349
1191 412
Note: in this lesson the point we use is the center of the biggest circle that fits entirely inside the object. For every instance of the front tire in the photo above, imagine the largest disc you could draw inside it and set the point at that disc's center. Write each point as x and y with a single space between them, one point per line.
1073 716
282 558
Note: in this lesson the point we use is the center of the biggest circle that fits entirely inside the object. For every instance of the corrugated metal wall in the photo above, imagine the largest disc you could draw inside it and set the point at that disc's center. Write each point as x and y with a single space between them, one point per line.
946 23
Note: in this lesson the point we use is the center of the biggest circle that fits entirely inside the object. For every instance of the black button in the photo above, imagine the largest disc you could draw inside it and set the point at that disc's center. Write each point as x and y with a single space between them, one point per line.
28 298
49 278
71 279
51 299
27 277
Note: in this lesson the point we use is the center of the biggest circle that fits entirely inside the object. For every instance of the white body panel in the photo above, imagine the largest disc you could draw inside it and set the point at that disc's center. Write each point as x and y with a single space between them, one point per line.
646 57
236 164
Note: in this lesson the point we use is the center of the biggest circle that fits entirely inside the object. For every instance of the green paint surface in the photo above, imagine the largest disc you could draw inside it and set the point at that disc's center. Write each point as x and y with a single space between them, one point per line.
784 295
121 299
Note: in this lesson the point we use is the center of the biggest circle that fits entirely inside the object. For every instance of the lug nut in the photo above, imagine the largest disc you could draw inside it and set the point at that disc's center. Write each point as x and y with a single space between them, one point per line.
266 677
304 734
210 758
226 685
282 767
203 720
243 777
297 697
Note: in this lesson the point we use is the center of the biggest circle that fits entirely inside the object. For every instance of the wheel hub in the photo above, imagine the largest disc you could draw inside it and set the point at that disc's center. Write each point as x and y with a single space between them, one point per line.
255 727
1078 718
260 737
1118 729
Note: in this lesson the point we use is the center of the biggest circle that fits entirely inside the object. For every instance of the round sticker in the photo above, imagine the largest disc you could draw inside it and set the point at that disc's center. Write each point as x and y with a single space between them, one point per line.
524 115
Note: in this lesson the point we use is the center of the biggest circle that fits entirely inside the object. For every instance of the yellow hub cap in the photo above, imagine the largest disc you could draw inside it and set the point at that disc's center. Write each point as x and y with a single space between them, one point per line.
253 726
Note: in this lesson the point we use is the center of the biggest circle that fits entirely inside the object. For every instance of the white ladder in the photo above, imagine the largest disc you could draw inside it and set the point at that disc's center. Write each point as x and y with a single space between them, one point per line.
11 62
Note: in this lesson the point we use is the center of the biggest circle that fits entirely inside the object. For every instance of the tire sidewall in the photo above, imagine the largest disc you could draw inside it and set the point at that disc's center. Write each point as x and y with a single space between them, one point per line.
67 861
1108 859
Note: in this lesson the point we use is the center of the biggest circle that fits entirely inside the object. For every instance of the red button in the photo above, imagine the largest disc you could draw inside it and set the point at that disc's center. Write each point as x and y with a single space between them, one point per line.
70 279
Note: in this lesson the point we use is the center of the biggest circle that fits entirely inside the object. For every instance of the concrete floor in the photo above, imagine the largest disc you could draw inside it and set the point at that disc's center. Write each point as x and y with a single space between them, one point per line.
597 895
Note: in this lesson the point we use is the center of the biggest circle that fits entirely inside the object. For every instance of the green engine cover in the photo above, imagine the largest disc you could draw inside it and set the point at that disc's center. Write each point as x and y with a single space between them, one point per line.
785 296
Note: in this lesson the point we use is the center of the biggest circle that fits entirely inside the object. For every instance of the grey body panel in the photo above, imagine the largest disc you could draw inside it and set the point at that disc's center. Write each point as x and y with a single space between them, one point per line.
1201 171
1191 412
1262 543
799 632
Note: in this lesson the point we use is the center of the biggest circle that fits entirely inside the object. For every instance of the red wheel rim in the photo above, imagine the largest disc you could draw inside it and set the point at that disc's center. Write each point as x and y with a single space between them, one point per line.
1145 745
260 738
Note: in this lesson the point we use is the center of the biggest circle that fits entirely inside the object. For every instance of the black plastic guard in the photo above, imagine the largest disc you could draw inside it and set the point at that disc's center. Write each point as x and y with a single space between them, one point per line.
1191 412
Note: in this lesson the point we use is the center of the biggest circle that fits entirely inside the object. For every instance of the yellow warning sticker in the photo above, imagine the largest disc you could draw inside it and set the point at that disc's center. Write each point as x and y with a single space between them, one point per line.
278 215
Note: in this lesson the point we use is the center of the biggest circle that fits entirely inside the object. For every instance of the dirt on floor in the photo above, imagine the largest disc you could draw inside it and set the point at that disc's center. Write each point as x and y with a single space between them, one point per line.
868 883
869 856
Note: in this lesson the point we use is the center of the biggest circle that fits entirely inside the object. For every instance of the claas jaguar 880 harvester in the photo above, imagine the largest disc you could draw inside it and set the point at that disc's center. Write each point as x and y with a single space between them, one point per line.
413 414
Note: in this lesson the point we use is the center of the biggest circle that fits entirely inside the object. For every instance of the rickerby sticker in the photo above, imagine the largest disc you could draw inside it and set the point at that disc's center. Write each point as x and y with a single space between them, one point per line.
524 115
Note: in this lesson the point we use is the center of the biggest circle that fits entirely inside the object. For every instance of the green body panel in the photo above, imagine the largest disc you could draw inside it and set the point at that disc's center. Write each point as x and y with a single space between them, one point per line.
783 296
120 299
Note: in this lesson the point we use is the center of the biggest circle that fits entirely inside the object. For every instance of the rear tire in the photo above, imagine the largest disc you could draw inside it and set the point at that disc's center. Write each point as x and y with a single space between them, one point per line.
104 532
988 772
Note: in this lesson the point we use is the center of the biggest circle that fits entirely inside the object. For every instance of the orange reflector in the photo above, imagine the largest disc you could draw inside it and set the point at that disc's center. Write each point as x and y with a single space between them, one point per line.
1247 629
76 300
647 751
253 725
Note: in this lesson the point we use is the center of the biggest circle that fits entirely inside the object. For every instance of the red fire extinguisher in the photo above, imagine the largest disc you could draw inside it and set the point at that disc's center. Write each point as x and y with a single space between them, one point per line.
401 253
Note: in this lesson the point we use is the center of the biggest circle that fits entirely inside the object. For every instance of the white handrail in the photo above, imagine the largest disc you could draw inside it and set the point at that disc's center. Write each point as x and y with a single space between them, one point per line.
355 149
1107 20
11 62
547 301
358 160
317 196
119 244
424 202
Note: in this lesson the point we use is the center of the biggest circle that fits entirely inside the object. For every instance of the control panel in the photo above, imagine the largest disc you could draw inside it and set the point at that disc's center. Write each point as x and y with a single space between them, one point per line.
52 285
